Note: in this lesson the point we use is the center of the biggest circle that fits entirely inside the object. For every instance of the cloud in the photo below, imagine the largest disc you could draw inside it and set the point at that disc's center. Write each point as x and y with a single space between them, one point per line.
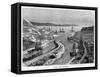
59 16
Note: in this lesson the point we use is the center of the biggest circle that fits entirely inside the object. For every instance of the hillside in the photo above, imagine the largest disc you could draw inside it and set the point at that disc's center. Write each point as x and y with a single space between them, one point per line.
88 29
51 24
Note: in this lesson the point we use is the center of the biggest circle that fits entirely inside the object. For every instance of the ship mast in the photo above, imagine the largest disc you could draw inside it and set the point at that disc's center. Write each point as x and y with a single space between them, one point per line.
72 29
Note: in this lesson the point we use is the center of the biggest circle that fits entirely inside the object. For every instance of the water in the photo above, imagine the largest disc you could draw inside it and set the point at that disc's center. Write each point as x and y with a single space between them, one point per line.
67 29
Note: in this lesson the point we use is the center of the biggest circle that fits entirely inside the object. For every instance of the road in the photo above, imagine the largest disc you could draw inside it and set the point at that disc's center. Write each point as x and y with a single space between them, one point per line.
85 52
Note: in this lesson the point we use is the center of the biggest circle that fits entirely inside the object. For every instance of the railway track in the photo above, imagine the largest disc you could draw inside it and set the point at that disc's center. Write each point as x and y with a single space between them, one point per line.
59 48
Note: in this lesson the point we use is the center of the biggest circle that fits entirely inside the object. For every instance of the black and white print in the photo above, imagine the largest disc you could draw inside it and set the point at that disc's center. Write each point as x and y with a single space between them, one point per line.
57 38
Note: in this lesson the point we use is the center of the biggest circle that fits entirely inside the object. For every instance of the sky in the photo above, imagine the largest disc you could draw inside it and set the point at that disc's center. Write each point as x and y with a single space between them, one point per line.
59 16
